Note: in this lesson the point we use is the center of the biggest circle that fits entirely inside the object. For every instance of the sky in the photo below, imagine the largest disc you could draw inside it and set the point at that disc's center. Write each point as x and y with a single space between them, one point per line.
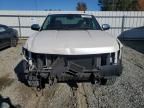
65 5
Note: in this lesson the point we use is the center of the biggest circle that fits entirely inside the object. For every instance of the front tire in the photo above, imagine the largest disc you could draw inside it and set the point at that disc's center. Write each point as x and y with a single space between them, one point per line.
13 42
108 81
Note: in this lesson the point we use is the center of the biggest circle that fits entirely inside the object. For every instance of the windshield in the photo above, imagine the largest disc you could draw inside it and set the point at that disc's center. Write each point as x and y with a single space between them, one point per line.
70 22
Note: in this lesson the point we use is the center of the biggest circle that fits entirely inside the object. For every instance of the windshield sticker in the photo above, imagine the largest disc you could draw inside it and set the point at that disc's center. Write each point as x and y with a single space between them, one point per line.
86 16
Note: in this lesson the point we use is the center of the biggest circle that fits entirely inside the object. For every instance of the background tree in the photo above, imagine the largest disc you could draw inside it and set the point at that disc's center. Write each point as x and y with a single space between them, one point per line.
81 6
119 5
141 5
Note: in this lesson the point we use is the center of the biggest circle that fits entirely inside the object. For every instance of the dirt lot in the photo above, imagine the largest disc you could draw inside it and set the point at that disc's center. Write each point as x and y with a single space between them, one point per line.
127 92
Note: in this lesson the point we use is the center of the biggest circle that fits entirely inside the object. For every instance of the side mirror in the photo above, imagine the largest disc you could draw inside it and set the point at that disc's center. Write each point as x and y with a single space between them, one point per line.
105 27
35 27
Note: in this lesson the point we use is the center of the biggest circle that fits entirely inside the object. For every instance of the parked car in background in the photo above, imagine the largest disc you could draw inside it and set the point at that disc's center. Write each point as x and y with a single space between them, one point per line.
71 48
133 34
8 36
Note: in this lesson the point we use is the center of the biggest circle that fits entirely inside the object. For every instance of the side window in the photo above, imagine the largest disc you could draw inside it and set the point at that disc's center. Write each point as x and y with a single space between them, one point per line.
2 29
46 23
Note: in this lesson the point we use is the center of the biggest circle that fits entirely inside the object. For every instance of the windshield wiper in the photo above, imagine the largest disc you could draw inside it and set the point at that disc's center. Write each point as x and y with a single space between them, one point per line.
86 28
70 28
60 28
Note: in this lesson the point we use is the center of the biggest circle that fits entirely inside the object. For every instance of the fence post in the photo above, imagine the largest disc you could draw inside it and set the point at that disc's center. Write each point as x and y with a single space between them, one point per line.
123 24
19 24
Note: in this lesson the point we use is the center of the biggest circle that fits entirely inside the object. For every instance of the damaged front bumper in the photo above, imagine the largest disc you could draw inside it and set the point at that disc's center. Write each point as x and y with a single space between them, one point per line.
75 72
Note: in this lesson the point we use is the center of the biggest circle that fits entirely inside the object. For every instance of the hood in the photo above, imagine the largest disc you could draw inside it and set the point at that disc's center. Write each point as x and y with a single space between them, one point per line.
72 42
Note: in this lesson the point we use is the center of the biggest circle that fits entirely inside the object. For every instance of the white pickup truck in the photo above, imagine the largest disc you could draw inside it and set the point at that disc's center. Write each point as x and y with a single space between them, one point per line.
71 47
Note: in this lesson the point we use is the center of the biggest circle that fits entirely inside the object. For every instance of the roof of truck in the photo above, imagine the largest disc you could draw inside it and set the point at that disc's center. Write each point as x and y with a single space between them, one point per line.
63 13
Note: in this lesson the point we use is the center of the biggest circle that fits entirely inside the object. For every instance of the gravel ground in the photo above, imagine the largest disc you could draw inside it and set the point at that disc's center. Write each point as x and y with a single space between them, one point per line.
127 92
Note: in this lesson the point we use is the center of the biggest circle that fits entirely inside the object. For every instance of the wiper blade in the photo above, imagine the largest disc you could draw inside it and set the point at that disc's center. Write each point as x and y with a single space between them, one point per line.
86 28
59 28
70 28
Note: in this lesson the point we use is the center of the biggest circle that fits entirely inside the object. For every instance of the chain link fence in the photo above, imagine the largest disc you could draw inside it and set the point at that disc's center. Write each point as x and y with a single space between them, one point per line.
120 21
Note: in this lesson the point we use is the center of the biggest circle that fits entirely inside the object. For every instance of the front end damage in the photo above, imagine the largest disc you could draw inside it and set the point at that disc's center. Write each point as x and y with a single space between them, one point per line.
50 68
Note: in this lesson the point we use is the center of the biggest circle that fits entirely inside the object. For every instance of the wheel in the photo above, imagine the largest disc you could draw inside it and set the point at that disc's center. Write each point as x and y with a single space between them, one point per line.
33 80
13 42
25 66
120 68
108 81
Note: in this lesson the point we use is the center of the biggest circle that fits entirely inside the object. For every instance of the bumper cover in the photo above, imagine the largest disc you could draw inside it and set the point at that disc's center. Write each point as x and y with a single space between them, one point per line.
63 73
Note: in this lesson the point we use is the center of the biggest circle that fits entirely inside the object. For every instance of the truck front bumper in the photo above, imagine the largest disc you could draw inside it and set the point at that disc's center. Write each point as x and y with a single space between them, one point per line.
73 73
